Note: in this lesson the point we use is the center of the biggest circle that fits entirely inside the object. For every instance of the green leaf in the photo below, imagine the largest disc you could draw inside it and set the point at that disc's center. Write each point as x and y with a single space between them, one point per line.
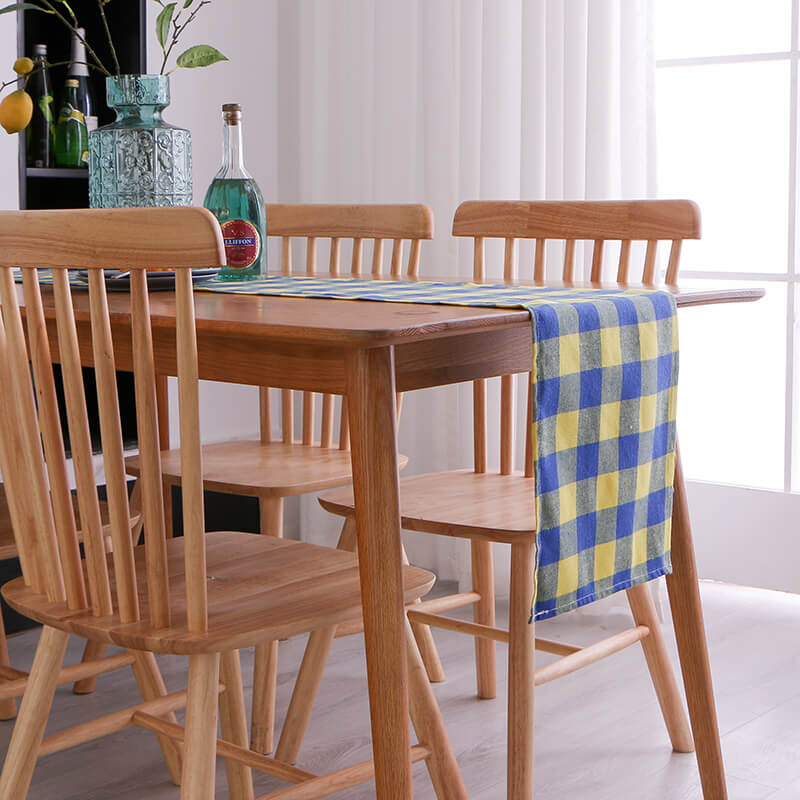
201 55
24 7
163 22
187 3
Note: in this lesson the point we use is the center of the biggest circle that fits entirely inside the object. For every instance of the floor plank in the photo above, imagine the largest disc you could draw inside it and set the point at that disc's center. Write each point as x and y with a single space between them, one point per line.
599 732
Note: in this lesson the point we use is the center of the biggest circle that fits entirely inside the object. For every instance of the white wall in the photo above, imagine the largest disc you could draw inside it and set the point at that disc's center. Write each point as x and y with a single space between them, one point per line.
9 186
245 32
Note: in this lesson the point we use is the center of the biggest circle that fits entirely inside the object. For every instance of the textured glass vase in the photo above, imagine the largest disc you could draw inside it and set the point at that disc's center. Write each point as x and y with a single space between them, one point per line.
139 160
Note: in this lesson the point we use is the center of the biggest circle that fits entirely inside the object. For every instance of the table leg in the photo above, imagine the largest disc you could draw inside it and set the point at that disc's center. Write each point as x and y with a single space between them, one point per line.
373 433
687 616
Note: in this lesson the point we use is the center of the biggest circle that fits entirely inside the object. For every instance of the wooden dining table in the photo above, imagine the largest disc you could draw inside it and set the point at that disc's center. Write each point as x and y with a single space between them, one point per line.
368 351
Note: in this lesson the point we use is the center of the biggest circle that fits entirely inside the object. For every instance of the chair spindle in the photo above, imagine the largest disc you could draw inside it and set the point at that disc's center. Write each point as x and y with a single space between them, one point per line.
81 446
191 462
52 438
44 550
358 252
377 257
148 434
569 260
538 260
649 273
113 459
597 260
624 260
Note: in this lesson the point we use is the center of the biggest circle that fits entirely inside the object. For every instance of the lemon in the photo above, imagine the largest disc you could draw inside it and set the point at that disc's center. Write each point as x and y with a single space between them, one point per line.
16 111
22 66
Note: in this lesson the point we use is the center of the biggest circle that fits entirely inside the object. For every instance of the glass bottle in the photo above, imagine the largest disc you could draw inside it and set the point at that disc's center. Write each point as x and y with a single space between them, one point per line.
40 131
79 71
72 140
236 201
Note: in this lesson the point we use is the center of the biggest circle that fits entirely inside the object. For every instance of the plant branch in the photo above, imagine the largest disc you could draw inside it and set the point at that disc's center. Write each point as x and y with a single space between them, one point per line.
47 4
177 30
25 78
101 7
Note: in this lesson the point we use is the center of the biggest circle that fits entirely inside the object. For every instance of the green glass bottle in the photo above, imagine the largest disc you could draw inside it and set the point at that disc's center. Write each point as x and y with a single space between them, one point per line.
236 201
40 132
79 71
72 138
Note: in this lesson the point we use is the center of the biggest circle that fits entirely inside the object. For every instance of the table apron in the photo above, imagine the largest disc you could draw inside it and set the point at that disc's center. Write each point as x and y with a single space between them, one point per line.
317 368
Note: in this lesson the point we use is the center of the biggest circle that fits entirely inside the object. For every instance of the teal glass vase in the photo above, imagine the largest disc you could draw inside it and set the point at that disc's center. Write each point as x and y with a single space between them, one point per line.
139 160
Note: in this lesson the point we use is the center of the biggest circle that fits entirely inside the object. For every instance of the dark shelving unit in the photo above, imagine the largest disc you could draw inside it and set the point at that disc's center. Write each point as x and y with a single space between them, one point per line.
56 172
68 188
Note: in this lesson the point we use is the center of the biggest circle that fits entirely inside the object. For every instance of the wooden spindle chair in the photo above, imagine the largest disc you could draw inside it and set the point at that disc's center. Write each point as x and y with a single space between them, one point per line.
156 597
487 505
297 461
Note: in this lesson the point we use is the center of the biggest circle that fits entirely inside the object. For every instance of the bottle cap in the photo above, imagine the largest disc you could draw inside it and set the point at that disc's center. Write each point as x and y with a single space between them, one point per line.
231 113
40 49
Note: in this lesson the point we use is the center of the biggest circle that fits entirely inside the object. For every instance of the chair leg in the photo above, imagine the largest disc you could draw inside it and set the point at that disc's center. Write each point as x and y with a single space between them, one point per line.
427 646
8 708
313 665
658 662
310 674
305 692
427 720
34 711
265 670
521 669
151 686
233 721
92 651
687 617
199 763
484 614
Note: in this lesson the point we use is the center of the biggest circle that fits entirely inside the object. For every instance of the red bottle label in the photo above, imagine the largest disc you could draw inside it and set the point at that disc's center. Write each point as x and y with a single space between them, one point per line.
242 243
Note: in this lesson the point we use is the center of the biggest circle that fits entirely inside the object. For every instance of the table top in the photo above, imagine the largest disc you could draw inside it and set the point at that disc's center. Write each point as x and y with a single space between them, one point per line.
361 323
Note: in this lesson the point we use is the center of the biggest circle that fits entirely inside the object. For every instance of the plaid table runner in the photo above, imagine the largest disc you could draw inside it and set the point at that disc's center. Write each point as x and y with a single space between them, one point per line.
605 364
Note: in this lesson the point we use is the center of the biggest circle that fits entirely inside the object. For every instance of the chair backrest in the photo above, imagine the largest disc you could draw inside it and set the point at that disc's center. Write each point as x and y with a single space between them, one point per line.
596 222
356 224
32 451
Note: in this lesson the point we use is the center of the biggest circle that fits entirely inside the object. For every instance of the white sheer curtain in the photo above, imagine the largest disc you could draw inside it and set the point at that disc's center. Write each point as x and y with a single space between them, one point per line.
445 100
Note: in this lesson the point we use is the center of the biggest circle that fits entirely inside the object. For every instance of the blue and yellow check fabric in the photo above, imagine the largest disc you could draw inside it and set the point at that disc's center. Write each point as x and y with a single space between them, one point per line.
605 366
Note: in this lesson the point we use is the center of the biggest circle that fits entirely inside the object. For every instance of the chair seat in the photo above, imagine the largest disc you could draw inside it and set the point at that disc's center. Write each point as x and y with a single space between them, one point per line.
260 588
251 467
8 547
459 503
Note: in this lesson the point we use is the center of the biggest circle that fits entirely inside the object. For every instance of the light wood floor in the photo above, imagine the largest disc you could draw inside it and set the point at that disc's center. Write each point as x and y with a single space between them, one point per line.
599 733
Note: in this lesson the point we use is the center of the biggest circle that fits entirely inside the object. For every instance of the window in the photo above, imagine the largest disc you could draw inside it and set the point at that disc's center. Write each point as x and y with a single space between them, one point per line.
727 128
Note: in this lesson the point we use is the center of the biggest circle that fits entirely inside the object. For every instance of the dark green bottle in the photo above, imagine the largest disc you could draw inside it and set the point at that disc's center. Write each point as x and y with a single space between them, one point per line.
72 138
41 130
